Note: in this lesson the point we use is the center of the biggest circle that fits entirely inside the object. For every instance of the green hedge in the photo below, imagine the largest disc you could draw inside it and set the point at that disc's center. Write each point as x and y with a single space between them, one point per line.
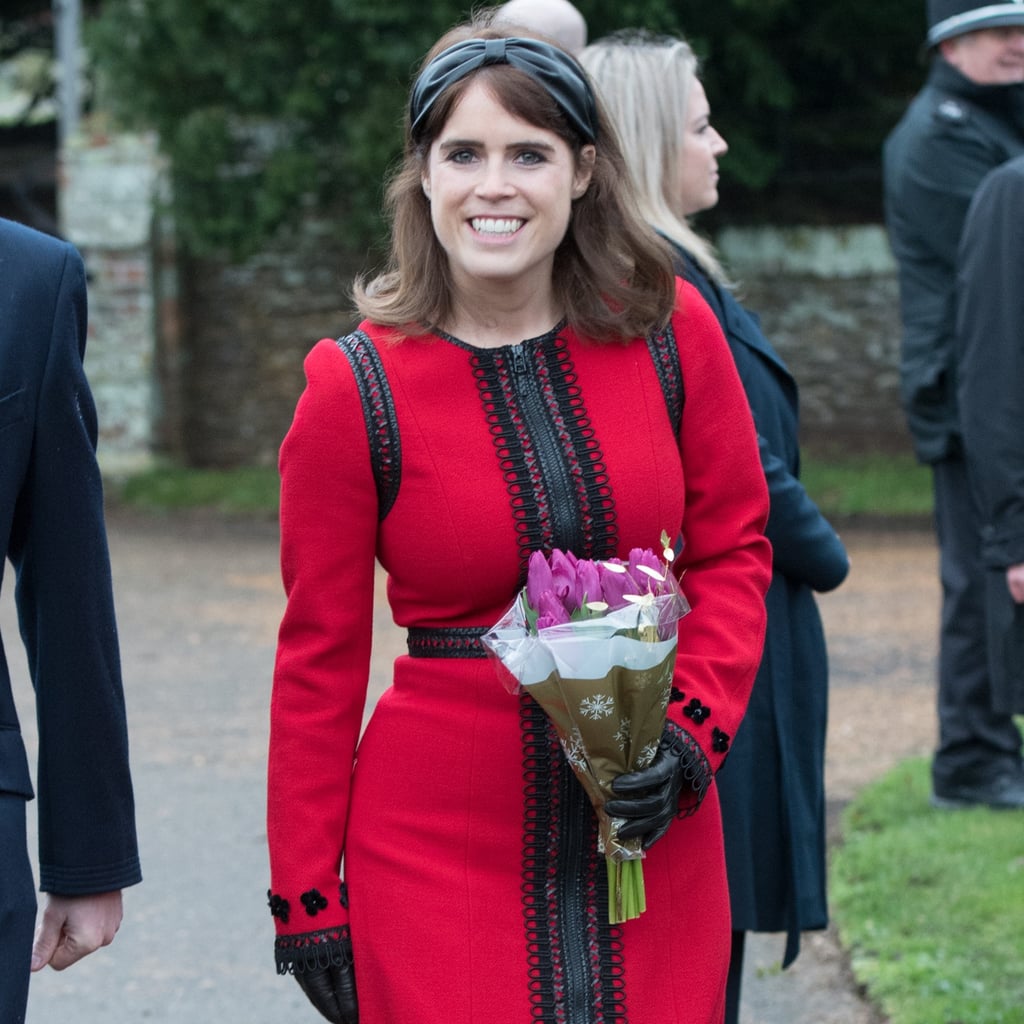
268 108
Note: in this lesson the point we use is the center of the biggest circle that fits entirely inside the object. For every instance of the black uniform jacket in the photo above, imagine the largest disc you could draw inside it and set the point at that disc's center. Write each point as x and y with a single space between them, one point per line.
952 134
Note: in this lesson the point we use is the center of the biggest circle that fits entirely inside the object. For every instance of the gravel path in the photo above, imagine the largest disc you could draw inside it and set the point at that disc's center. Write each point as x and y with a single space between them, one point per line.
199 601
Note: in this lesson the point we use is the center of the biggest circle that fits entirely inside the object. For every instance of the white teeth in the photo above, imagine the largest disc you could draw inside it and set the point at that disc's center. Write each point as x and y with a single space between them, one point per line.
496 226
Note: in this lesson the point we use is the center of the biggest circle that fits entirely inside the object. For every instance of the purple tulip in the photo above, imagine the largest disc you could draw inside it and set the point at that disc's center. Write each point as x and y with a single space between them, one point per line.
646 583
563 576
551 611
538 578
614 584
588 583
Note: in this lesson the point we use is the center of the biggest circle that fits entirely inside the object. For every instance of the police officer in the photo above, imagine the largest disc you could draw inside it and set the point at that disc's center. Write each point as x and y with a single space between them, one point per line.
968 119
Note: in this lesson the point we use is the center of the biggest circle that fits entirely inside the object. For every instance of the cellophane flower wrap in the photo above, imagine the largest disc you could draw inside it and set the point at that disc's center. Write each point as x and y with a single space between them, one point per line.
593 642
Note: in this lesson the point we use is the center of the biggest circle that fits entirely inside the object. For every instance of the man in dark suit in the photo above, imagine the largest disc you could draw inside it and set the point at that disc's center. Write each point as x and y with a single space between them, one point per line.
52 530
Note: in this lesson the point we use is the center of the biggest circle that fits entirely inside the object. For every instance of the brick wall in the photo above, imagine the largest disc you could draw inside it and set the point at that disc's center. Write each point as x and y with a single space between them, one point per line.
106 208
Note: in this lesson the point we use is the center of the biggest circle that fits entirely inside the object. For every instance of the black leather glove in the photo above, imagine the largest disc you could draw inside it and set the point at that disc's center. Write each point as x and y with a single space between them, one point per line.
332 990
650 797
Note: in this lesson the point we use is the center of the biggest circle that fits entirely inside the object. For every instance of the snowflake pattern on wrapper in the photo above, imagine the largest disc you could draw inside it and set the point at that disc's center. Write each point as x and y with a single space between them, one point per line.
597 706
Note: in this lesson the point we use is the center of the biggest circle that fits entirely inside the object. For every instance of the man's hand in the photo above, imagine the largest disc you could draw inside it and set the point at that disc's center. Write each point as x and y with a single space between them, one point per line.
1015 581
73 926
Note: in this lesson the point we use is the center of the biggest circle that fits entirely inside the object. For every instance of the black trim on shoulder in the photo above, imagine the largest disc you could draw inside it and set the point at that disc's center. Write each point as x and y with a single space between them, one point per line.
379 413
662 346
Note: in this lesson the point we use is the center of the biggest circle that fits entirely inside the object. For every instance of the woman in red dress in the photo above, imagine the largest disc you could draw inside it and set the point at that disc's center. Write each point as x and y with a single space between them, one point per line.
529 376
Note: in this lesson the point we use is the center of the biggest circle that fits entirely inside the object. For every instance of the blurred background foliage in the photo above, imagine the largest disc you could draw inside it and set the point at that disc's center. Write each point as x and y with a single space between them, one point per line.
266 109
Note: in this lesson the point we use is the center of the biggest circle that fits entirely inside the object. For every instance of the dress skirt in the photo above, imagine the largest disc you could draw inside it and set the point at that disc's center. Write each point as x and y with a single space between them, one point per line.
460 792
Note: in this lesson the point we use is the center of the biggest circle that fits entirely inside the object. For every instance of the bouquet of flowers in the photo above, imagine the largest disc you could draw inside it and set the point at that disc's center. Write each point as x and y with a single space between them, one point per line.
594 643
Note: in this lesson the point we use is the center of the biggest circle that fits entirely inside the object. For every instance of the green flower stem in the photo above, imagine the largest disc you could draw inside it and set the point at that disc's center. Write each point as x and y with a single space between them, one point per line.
627 897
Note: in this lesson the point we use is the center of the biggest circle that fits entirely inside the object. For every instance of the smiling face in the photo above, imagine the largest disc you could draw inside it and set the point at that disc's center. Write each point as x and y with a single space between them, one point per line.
701 147
501 192
990 56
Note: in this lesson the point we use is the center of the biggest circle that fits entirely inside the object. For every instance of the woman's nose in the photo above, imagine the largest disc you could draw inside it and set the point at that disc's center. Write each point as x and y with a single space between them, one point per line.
494 179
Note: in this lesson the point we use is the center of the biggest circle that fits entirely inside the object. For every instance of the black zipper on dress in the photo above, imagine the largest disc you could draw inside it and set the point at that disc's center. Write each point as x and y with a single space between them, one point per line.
538 424
572 916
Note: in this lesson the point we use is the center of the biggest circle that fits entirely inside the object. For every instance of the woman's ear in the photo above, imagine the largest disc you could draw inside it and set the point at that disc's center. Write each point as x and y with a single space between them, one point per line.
426 188
584 171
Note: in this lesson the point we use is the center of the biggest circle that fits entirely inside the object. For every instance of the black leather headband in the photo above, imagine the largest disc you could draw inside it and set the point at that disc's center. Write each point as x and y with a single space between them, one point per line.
556 71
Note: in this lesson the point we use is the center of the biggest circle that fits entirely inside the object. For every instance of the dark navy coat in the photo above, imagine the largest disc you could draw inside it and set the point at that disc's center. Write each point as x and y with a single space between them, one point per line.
52 530
772 785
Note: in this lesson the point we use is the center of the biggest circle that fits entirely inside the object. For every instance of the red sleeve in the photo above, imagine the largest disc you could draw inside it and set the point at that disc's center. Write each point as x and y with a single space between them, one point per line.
726 560
328 539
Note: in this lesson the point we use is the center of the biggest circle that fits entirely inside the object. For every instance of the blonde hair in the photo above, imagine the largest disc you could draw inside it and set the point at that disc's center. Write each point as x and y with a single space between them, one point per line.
644 81
612 274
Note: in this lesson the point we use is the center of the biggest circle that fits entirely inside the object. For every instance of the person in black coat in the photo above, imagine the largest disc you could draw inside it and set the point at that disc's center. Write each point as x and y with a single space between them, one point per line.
990 336
967 119
772 785
52 526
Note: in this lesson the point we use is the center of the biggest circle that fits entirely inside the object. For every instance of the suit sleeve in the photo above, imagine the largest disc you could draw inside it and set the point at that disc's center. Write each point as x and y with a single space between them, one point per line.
87 840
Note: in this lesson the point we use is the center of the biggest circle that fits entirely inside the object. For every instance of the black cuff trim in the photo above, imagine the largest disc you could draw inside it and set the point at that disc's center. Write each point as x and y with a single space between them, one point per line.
696 767
331 947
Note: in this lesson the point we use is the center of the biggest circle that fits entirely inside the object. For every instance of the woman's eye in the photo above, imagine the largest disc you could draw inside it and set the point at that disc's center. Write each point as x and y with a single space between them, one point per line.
530 156
460 156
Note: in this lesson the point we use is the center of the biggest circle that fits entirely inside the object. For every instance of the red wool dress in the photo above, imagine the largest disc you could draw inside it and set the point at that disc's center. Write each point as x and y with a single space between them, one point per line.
475 893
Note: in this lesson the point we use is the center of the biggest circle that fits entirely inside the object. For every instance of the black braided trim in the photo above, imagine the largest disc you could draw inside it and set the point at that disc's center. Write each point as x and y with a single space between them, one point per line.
574 957
662 346
696 767
552 463
295 954
446 642
379 413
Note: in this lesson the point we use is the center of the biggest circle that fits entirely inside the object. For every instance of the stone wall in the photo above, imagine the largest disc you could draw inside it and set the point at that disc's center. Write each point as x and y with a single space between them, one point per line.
828 302
248 328
202 361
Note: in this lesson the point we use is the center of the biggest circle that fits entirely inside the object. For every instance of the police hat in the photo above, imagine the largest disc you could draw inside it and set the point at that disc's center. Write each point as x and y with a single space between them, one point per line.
948 18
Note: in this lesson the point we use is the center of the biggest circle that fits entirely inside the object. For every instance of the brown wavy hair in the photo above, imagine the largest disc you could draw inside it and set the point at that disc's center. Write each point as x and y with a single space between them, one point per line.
612 274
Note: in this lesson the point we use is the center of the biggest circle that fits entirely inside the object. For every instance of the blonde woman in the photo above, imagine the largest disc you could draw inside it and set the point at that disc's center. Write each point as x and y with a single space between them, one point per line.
772 789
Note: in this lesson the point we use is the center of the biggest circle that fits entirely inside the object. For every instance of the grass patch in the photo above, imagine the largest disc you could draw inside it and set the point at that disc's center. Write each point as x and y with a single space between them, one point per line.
890 486
862 486
930 903
244 491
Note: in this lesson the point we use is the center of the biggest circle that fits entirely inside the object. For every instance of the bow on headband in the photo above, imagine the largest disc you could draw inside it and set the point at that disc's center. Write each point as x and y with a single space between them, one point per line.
556 71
